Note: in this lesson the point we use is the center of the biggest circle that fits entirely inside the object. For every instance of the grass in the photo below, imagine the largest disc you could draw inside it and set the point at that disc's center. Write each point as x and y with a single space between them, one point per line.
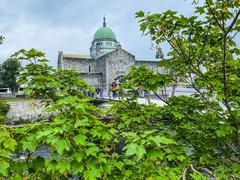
12 99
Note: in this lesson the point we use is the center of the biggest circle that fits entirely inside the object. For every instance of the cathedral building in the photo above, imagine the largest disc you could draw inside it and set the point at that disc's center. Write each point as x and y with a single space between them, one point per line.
107 61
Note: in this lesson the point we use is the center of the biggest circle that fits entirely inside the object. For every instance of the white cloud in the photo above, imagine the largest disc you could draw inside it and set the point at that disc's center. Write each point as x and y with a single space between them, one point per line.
70 25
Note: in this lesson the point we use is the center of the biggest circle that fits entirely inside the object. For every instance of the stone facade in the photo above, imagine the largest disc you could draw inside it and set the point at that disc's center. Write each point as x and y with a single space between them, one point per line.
117 64
107 61
94 79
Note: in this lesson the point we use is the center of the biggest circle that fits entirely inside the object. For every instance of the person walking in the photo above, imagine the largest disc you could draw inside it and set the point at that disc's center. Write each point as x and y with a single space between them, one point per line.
114 86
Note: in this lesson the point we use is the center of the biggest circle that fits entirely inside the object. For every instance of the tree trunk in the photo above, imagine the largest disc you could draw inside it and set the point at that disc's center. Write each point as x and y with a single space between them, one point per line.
174 85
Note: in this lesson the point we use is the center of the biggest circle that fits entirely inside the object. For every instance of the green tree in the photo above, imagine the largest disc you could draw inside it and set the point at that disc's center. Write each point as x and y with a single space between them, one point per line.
193 137
204 53
1 41
77 139
9 73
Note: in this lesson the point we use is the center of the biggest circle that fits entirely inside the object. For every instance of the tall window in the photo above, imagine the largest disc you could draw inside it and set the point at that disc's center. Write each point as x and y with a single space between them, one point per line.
89 68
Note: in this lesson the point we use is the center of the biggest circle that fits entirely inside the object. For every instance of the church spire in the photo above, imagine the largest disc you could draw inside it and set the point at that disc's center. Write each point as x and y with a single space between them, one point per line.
104 21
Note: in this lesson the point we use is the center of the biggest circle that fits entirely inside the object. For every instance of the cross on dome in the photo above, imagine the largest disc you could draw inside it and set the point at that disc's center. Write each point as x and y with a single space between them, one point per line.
104 21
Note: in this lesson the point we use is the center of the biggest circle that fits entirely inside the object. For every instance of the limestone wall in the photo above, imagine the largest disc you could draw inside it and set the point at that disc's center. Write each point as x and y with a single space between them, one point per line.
118 64
93 79
101 64
26 112
80 65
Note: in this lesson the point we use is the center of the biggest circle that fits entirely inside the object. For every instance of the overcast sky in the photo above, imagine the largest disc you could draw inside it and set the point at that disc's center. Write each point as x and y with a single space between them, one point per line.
69 25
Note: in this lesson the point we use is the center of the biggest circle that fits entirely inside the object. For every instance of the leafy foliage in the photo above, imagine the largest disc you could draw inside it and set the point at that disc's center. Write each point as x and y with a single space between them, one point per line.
193 137
9 73
76 140
204 54
4 108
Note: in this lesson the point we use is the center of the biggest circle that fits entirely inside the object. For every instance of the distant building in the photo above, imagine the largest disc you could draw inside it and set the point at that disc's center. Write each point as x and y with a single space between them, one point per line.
107 61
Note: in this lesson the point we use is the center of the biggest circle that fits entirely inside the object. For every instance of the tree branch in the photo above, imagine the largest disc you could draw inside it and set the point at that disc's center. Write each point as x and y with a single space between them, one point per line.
179 45
208 171
159 97
233 22
166 39
215 18
224 69
205 42
234 150
184 174
234 35
202 95
194 170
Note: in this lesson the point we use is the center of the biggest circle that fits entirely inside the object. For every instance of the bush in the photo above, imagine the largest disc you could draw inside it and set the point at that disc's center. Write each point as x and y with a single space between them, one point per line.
4 108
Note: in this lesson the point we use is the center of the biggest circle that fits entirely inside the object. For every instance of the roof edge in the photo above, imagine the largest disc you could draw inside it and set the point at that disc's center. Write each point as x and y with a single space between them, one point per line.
77 56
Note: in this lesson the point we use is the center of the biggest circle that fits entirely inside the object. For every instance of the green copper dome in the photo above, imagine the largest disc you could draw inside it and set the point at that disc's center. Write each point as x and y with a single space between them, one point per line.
104 33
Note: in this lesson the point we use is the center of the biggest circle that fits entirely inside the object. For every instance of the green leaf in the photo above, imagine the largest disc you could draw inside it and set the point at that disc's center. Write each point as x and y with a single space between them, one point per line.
44 133
224 130
200 10
102 159
4 134
4 167
79 156
170 157
92 174
19 167
139 14
60 120
63 166
5 153
38 163
62 145
162 140
181 157
52 139
51 165
128 173
31 146
197 176
81 123
77 167
16 177
97 132
92 151
80 139
155 155
118 164
10 144
135 149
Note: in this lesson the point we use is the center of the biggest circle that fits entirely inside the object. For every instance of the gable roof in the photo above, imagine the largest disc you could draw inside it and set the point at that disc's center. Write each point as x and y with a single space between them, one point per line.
119 49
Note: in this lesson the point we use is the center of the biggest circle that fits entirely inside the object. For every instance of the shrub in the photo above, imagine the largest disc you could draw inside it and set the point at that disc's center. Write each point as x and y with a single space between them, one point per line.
4 108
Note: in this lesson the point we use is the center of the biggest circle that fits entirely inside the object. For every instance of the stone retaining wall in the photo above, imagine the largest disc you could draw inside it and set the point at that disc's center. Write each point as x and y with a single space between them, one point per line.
26 112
